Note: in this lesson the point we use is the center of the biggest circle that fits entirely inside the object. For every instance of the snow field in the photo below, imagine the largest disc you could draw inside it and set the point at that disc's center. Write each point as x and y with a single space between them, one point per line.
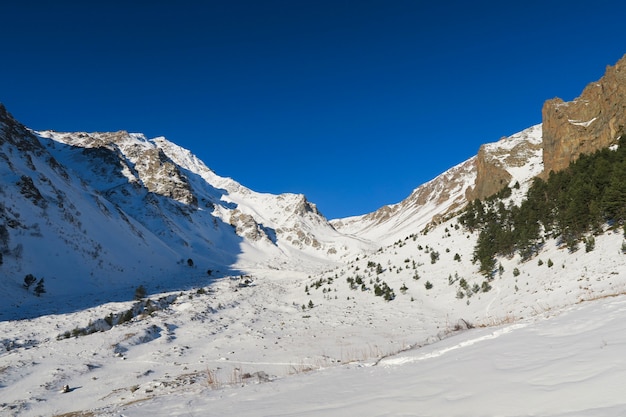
566 365
222 336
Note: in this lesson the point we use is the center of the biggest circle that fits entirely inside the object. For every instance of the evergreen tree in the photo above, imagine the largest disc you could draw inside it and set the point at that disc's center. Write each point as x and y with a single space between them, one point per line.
29 280
39 288
140 292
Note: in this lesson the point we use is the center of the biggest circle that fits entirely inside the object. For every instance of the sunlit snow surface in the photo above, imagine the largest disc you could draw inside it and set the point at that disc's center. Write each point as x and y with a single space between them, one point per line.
547 352
569 365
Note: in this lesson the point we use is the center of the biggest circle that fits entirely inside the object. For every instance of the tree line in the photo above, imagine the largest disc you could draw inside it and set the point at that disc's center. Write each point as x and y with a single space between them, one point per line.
570 205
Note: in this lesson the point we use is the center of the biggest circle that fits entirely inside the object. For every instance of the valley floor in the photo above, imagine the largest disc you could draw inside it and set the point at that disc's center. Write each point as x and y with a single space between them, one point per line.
568 365
219 336
548 341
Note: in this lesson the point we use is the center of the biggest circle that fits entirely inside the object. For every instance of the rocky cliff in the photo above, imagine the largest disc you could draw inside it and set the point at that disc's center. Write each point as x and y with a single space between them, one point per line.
590 122
497 163
490 176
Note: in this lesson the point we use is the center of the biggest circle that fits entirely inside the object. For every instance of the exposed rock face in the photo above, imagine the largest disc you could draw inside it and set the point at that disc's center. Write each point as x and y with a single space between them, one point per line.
163 177
497 163
131 156
592 121
246 226
491 177
16 134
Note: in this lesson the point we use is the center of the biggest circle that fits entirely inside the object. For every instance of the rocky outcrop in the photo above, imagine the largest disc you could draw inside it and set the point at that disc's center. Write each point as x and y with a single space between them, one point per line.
163 177
593 121
491 177
130 156
245 225
516 158
16 134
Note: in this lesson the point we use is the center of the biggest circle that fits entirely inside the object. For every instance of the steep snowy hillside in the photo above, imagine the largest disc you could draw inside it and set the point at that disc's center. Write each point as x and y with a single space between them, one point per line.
520 155
274 227
97 214
55 227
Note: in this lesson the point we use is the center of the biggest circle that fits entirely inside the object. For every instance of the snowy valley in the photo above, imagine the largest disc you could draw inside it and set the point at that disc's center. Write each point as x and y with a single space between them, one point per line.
169 290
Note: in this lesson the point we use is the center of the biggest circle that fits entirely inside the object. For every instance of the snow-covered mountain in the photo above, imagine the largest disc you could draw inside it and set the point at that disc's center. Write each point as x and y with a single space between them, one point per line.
76 204
246 288
519 156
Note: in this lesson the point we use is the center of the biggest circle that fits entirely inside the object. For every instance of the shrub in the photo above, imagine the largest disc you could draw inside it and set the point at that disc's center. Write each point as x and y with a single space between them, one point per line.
428 285
434 257
140 292
515 272
127 316
29 280
590 244
550 263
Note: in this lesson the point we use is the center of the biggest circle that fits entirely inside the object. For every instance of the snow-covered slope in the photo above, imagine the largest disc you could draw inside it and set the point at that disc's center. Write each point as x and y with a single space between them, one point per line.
193 350
274 227
97 214
520 155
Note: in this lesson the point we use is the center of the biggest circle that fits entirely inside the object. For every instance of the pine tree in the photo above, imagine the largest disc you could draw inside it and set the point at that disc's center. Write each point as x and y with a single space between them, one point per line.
39 288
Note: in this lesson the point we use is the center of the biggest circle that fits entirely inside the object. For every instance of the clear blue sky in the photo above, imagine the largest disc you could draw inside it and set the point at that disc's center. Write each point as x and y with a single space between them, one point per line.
353 103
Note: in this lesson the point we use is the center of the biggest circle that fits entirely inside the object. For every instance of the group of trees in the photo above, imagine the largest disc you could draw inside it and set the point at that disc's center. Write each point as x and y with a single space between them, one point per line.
30 279
570 204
